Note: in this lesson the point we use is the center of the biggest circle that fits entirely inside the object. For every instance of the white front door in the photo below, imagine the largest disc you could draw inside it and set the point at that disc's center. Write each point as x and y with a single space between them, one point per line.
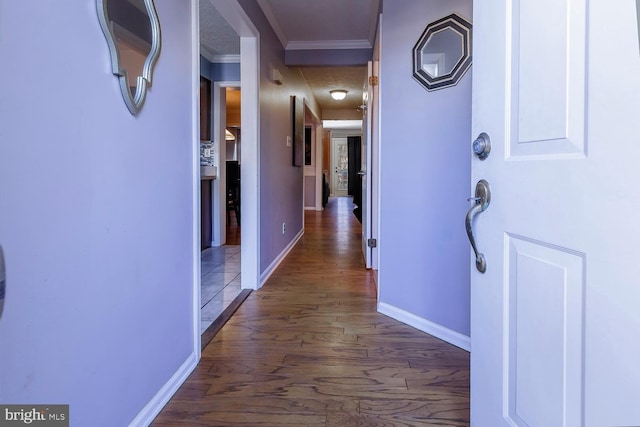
555 320
340 160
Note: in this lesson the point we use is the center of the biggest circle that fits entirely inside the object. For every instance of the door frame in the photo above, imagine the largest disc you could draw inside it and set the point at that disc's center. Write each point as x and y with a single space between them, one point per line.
374 221
339 133
237 18
334 150
376 130
313 171
218 188
367 170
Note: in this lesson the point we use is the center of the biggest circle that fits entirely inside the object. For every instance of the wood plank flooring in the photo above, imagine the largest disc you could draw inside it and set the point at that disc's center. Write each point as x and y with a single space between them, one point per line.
309 349
233 230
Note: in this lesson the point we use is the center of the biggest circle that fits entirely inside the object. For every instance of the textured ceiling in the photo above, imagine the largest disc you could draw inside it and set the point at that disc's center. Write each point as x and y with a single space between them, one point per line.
218 41
304 24
323 79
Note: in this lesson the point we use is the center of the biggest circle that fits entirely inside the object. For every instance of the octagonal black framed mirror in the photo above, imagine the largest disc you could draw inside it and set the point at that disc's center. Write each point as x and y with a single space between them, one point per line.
132 30
442 54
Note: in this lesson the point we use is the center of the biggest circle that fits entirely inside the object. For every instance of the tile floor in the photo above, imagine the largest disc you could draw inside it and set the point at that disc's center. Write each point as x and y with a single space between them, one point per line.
220 272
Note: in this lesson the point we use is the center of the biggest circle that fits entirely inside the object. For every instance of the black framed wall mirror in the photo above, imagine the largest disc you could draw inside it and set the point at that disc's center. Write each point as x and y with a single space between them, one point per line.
132 30
442 54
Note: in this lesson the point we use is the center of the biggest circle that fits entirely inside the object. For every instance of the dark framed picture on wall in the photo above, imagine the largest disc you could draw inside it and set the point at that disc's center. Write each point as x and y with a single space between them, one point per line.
297 119
307 146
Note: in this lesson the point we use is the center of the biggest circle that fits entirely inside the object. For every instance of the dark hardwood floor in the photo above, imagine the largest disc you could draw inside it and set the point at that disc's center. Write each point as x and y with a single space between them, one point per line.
309 349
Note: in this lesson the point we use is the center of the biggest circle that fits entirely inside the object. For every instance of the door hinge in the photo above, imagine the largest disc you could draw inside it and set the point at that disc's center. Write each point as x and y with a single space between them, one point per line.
373 80
372 243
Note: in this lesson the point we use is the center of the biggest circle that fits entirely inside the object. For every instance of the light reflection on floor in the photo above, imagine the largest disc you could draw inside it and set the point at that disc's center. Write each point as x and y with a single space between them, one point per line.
220 273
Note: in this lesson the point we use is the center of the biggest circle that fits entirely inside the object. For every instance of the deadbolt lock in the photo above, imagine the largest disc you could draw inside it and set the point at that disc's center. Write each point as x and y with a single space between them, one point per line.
482 146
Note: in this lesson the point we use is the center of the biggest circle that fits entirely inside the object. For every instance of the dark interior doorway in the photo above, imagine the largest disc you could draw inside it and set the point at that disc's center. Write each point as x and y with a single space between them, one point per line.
355 179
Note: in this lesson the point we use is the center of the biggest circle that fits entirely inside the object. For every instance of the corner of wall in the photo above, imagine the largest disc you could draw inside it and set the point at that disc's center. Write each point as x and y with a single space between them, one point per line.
424 325
146 416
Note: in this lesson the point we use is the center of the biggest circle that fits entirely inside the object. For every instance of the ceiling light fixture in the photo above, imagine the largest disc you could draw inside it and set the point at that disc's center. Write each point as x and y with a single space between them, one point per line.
338 94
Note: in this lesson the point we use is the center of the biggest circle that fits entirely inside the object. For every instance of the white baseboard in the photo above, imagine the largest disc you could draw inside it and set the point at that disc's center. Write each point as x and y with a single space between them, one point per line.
424 325
310 208
276 262
155 405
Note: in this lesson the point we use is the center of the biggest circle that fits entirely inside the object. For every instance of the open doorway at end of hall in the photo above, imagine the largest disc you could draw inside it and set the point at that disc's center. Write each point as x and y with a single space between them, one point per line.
345 157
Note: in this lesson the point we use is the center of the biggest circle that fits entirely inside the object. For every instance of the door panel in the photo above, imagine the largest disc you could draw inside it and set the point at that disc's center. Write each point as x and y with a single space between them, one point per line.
555 327
548 87
544 330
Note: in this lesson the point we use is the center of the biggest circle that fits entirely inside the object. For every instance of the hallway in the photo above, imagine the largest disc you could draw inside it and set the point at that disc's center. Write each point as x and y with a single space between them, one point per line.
309 349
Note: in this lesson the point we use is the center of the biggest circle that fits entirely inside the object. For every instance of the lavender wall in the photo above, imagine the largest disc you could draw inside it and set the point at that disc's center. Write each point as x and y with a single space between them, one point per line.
310 191
225 72
425 175
281 184
96 215
205 68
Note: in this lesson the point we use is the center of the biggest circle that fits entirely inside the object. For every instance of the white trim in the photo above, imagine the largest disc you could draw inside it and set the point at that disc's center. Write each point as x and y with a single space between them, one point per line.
342 124
225 59
271 17
276 262
152 409
317 140
237 18
310 208
317 135
195 173
206 53
328 44
424 325
215 58
250 171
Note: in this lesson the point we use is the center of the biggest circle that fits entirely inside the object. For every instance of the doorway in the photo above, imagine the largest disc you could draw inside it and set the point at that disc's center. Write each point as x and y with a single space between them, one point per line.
243 258
339 167
235 16
228 125
314 187
220 267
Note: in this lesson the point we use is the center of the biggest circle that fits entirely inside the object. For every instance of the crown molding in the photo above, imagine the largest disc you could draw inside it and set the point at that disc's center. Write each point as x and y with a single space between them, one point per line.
206 53
328 44
218 59
271 17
